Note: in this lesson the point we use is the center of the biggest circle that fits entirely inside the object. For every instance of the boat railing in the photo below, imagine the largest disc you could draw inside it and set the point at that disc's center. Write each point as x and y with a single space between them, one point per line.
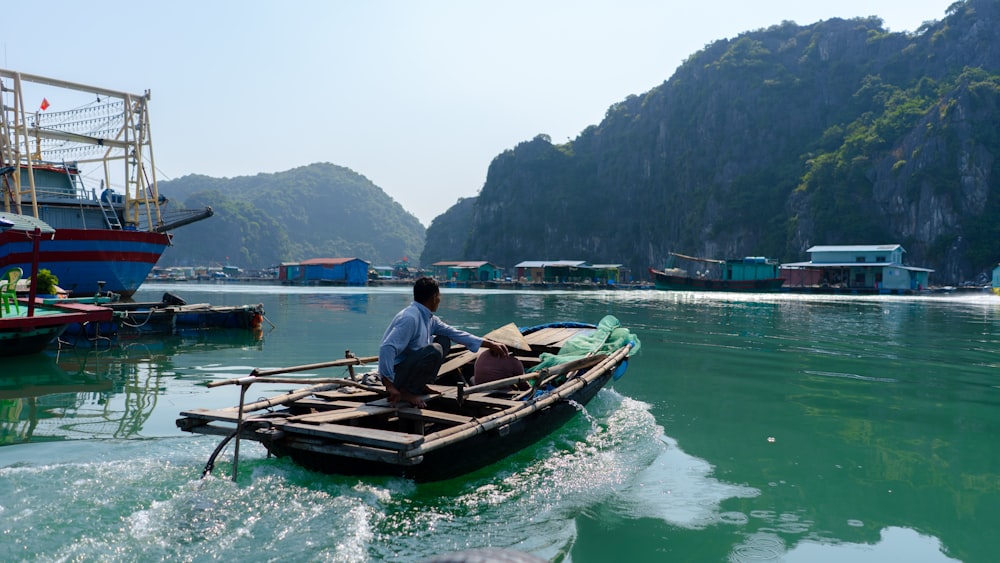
56 194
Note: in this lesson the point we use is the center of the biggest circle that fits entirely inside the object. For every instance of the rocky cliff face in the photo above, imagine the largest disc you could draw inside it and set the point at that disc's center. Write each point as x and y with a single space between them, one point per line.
938 178
833 133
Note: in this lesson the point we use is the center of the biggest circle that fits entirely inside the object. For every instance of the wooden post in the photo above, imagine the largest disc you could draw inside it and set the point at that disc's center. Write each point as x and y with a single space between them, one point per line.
244 385
36 237
350 368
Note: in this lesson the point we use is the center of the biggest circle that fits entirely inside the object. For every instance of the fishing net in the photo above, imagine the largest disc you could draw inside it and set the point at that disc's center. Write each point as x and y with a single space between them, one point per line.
609 336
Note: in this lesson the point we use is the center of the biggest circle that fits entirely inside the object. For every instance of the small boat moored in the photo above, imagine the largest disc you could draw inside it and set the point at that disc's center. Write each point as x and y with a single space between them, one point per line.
27 326
28 330
345 425
170 316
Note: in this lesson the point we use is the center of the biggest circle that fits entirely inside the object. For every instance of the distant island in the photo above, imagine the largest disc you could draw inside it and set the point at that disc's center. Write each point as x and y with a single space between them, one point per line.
320 210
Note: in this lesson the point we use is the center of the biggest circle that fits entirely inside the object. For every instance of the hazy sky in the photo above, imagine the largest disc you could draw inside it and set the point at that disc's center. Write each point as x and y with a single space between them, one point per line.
418 96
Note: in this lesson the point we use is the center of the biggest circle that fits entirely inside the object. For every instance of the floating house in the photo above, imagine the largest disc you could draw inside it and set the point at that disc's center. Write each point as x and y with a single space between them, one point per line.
466 271
382 271
550 271
607 274
567 271
348 271
871 268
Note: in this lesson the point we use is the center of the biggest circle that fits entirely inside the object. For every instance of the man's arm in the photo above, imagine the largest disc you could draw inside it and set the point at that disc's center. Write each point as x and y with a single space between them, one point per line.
471 341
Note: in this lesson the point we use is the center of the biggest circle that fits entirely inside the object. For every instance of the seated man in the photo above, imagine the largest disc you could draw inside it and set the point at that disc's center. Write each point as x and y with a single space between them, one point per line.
491 367
417 342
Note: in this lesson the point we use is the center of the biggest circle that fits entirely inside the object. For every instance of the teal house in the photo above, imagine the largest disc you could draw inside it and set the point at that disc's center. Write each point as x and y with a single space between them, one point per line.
470 271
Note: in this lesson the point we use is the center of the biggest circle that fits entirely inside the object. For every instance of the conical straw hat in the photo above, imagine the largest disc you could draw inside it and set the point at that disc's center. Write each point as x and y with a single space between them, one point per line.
509 336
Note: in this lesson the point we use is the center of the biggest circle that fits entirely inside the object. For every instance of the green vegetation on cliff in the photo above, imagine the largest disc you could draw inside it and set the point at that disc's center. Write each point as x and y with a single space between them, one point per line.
315 211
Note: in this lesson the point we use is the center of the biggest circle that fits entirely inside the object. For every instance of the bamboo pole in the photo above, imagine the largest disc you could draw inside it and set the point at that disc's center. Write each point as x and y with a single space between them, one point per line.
282 399
335 363
239 429
321 380
555 370
697 259
257 372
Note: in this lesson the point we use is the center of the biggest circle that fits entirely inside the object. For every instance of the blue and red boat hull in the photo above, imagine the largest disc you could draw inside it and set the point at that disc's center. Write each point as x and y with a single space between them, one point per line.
80 258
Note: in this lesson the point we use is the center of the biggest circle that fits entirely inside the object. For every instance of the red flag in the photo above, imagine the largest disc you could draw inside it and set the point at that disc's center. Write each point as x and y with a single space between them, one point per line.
45 104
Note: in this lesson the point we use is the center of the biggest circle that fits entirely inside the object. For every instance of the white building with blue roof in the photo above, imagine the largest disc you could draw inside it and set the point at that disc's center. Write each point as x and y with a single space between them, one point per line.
876 268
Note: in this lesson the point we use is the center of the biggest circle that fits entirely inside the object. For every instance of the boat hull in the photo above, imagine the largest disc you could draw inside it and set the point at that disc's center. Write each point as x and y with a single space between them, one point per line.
80 258
163 319
666 281
21 334
21 342
458 459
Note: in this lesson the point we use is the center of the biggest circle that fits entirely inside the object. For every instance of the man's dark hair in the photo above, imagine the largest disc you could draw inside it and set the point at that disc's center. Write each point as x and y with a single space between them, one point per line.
425 288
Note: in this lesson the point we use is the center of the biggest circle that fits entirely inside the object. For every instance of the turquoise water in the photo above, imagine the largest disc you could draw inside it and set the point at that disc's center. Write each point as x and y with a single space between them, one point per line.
750 428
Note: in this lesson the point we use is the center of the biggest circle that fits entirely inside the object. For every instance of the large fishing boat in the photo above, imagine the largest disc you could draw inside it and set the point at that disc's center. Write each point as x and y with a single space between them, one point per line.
111 224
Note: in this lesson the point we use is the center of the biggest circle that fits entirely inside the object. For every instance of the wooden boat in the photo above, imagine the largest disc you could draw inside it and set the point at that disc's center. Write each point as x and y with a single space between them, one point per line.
346 425
752 273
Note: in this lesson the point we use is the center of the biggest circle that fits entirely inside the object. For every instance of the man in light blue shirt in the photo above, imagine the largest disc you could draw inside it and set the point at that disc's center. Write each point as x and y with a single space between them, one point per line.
417 342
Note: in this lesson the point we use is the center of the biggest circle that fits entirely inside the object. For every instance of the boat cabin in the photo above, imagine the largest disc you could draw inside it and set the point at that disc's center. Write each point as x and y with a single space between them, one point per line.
750 268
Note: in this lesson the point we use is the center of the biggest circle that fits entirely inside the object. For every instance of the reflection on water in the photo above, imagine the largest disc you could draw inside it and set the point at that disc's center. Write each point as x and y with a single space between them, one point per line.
352 302
35 392
895 544
85 394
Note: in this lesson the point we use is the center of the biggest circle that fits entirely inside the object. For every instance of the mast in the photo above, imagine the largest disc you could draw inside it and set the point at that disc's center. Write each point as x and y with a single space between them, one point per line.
696 259
115 128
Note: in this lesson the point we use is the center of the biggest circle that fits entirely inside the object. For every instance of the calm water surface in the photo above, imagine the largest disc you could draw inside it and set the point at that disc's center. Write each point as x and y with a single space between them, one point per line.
750 428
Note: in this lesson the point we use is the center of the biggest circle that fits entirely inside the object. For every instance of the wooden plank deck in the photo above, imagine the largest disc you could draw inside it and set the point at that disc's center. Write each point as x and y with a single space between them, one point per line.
485 399
342 414
554 337
457 362
429 415
338 411
398 441
358 395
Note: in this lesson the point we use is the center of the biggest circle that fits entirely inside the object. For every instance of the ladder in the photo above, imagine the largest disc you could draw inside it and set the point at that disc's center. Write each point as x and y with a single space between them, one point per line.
107 207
